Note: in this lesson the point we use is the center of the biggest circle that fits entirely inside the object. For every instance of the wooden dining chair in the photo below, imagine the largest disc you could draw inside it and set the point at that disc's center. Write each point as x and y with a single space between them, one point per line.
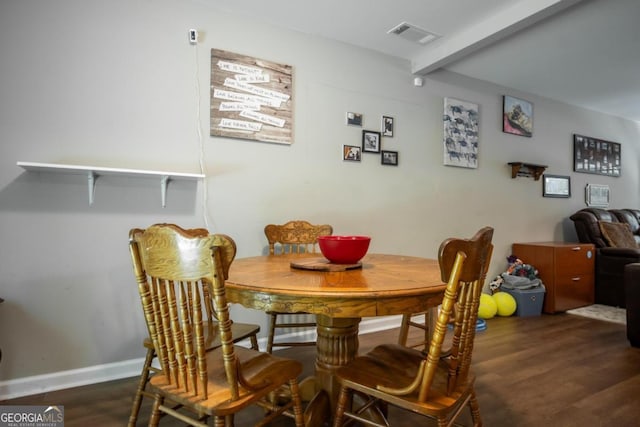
240 332
435 385
181 277
292 237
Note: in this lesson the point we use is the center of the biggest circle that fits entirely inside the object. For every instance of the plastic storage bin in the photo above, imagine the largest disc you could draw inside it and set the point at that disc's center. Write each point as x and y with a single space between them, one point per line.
529 301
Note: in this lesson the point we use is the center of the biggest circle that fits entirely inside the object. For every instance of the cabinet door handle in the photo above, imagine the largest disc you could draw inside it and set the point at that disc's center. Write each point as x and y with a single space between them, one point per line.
576 248
575 279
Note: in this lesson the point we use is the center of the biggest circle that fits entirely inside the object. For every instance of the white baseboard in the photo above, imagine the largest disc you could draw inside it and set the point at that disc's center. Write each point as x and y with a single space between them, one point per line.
38 384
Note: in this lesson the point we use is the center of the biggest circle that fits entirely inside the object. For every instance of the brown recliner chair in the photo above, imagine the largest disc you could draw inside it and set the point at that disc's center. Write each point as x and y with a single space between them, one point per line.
632 295
610 261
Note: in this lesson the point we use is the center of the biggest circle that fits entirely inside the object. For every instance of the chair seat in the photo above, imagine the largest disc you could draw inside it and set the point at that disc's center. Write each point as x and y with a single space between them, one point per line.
263 371
239 331
396 366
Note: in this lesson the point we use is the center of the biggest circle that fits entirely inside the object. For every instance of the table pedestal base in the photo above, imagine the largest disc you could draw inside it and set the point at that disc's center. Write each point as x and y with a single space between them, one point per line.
336 346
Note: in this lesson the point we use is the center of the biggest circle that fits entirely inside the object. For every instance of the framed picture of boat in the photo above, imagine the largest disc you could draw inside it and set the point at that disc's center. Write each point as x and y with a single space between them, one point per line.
517 116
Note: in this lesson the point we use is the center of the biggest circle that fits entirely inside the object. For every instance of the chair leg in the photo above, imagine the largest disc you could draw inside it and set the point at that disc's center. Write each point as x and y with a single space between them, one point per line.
297 403
273 317
404 329
343 400
154 420
142 384
254 343
475 409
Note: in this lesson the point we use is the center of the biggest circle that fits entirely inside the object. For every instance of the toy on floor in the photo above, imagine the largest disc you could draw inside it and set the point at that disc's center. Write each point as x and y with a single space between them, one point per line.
488 307
506 304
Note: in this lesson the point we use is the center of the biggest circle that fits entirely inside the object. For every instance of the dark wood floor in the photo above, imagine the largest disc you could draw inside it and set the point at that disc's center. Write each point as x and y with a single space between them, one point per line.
551 370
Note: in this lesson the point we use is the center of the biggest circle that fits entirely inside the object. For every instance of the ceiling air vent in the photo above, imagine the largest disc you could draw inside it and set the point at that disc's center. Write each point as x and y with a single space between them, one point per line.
412 33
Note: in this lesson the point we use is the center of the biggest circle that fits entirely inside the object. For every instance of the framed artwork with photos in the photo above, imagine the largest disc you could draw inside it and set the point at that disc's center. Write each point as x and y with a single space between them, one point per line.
370 141
593 155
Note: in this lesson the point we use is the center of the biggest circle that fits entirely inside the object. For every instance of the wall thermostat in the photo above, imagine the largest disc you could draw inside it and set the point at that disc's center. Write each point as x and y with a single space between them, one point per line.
193 36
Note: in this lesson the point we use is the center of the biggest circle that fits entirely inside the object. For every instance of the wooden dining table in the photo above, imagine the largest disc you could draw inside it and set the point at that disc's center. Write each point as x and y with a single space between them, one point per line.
339 296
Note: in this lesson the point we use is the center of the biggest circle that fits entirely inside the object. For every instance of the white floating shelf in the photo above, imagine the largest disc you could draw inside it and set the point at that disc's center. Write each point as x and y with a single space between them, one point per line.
93 172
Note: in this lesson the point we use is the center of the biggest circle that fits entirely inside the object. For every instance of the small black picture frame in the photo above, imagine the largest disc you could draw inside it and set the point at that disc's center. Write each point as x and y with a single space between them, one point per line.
556 186
387 126
371 141
389 158
351 153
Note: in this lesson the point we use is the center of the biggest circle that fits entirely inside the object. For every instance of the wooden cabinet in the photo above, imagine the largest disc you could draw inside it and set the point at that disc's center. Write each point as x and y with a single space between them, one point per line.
566 269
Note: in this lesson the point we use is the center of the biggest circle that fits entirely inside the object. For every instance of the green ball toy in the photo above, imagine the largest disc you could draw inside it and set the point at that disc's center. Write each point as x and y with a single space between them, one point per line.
488 307
505 302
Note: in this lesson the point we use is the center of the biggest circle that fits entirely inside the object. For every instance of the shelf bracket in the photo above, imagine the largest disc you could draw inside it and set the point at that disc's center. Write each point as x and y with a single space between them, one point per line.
92 186
163 189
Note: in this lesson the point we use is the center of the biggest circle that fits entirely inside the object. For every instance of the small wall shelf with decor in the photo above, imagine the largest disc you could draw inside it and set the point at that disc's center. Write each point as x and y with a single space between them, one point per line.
93 172
526 169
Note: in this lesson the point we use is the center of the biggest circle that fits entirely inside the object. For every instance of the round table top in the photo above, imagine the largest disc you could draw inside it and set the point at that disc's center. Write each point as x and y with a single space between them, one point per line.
384 285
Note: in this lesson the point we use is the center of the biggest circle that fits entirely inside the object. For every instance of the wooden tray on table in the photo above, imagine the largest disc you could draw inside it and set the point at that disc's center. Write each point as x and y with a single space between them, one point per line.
323 264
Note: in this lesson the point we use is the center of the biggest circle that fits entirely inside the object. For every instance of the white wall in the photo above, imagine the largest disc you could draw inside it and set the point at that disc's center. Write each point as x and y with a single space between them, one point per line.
117 84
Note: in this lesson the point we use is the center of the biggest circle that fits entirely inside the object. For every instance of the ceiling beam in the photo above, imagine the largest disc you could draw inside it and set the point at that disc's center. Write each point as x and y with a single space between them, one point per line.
511 19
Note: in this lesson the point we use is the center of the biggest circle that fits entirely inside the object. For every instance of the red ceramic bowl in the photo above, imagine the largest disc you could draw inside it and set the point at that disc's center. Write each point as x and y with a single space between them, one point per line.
344 249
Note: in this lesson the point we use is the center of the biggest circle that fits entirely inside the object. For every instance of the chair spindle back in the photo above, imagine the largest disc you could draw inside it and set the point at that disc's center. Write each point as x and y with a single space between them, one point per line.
463 265
295 237
177 273
465 277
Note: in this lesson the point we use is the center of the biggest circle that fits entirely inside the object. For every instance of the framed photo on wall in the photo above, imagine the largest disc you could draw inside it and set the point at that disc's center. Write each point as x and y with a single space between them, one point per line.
556 186
351 153
389 158
597 195
387 126
370 141
597 156
517 116
354 119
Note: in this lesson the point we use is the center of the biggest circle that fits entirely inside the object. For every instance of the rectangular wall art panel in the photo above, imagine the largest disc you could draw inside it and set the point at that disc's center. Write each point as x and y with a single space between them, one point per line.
251 98
460 133
593 155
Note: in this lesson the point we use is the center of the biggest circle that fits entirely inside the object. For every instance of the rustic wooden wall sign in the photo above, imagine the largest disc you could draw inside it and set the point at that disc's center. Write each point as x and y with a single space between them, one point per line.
251 98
